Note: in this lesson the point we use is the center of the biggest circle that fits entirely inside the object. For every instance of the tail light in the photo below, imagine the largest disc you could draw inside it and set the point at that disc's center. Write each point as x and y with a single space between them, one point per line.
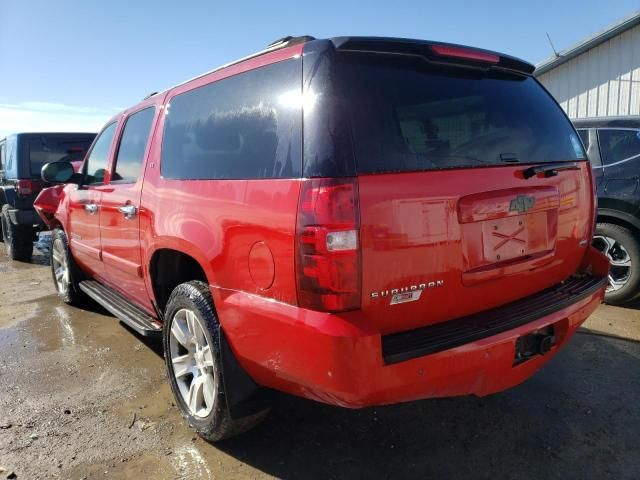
24 187
327 244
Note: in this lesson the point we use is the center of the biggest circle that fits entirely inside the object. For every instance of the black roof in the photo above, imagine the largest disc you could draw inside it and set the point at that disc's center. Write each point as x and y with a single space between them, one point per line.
378 45
421 47
623 122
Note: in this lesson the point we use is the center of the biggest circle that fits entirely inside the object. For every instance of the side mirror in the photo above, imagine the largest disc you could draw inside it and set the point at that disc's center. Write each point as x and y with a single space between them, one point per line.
57 172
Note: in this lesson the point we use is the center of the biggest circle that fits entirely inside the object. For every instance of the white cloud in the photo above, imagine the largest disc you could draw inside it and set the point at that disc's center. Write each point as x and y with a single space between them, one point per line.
50 117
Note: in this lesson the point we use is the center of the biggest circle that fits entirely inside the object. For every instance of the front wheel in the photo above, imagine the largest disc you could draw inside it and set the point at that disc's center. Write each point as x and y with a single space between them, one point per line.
66 274
191 339
622 248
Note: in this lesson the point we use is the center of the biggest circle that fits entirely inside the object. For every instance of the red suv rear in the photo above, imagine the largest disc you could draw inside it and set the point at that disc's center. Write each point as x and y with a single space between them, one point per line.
359 221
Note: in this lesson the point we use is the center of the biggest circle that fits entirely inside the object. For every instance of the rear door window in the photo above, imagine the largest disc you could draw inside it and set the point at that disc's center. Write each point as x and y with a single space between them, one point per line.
133 145
407 114
44 149
619 145
96 164
242 127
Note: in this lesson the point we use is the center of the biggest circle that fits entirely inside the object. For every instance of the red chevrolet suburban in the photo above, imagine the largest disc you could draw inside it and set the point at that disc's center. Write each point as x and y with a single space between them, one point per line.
358 221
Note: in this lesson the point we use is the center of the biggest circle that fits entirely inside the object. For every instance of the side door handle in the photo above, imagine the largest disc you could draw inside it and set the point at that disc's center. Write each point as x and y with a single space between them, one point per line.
129 211
90 208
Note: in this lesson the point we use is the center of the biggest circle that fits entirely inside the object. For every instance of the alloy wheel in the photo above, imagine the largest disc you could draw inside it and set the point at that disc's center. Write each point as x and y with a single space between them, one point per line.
192 363
60 266
620 271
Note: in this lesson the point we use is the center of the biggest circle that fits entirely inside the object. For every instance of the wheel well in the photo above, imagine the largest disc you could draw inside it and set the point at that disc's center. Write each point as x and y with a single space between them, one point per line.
617 221
170 268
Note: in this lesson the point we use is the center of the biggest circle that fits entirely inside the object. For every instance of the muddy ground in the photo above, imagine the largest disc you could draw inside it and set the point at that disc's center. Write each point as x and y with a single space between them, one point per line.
81 396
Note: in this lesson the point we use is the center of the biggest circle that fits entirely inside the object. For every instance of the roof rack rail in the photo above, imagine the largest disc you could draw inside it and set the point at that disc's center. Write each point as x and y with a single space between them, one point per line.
290 40
280 43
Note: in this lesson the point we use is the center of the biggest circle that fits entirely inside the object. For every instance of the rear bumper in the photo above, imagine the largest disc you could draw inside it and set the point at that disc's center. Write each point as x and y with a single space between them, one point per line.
24 217
326 358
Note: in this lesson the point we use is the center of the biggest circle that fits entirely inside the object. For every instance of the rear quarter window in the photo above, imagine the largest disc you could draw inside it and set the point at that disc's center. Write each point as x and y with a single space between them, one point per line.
407 114
242 127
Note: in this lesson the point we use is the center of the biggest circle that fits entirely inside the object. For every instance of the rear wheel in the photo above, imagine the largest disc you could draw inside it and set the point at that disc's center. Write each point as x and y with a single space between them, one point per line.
192 355
18 239
622 248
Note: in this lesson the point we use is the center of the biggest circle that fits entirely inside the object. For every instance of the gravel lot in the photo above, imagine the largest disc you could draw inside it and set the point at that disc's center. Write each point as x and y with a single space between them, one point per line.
81 396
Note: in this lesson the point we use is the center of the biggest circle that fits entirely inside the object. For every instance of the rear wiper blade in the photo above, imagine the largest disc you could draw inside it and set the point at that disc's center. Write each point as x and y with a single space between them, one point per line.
548 169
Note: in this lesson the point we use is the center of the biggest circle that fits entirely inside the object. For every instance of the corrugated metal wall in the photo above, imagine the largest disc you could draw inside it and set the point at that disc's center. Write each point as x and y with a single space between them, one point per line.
603 81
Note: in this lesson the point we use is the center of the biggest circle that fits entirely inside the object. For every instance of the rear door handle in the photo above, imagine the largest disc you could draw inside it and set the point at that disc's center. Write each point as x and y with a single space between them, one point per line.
129 211
90 208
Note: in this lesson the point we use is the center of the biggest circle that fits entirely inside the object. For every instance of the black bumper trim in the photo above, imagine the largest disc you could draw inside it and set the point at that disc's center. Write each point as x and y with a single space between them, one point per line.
402 346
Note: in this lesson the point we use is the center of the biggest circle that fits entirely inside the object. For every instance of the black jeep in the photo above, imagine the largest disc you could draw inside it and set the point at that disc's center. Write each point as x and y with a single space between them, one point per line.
613 146
22 156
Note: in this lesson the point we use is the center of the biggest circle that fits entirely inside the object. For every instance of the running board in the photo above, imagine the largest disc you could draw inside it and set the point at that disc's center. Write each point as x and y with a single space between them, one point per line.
122 308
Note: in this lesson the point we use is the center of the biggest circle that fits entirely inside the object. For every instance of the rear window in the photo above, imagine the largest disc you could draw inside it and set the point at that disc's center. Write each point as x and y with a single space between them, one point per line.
409 115
45 149
242 127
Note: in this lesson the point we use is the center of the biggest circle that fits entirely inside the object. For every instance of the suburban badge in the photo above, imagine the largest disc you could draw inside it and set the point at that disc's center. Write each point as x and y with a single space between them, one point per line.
406 294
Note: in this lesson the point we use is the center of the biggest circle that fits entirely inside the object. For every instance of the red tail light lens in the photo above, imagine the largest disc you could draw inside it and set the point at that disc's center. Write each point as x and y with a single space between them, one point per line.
328 253
24 187
464 53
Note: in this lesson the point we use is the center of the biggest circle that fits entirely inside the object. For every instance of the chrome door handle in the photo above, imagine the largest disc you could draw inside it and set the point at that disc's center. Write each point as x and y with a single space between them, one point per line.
129 211
90 208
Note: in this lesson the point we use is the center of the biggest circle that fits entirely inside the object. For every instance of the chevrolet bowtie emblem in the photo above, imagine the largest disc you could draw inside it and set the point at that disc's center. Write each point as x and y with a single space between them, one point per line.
522 203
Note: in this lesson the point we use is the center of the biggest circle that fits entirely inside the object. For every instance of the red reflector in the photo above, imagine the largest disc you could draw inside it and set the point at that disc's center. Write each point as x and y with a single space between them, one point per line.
327 245
468 54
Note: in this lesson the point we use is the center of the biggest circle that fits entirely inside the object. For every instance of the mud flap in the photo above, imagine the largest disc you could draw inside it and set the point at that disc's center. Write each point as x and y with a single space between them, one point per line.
244 396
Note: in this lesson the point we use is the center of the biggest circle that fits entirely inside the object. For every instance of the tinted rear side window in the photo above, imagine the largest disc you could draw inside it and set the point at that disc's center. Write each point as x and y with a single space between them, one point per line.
584 136
246 126
44 149
619 145
132 146
409 115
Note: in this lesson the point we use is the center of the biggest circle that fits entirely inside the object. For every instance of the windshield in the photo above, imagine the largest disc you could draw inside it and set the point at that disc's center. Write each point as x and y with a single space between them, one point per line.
44 149
409 115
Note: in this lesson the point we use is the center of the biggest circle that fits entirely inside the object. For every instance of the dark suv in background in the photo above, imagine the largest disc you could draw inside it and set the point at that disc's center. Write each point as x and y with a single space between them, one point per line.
613 147
22 156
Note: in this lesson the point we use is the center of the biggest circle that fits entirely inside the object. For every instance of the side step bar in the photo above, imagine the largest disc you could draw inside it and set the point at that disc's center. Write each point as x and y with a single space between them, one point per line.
122 308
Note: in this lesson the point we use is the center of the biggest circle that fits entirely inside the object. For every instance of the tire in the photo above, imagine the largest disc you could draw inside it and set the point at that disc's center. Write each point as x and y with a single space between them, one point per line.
623 249
190 317
18 239
65 272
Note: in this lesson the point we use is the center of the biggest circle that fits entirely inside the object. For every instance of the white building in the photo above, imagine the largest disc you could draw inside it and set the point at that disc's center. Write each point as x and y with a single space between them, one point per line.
599 77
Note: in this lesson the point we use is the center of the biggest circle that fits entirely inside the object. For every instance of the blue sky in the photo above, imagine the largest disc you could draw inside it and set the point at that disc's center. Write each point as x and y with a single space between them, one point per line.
71 64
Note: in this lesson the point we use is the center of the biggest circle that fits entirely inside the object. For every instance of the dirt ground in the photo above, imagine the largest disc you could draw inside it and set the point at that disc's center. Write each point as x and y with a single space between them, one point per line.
81 396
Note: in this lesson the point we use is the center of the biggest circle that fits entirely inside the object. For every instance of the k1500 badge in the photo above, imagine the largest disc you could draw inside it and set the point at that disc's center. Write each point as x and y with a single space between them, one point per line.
410 293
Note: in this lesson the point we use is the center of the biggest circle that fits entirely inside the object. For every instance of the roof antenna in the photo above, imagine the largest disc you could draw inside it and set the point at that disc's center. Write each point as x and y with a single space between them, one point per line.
552 47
